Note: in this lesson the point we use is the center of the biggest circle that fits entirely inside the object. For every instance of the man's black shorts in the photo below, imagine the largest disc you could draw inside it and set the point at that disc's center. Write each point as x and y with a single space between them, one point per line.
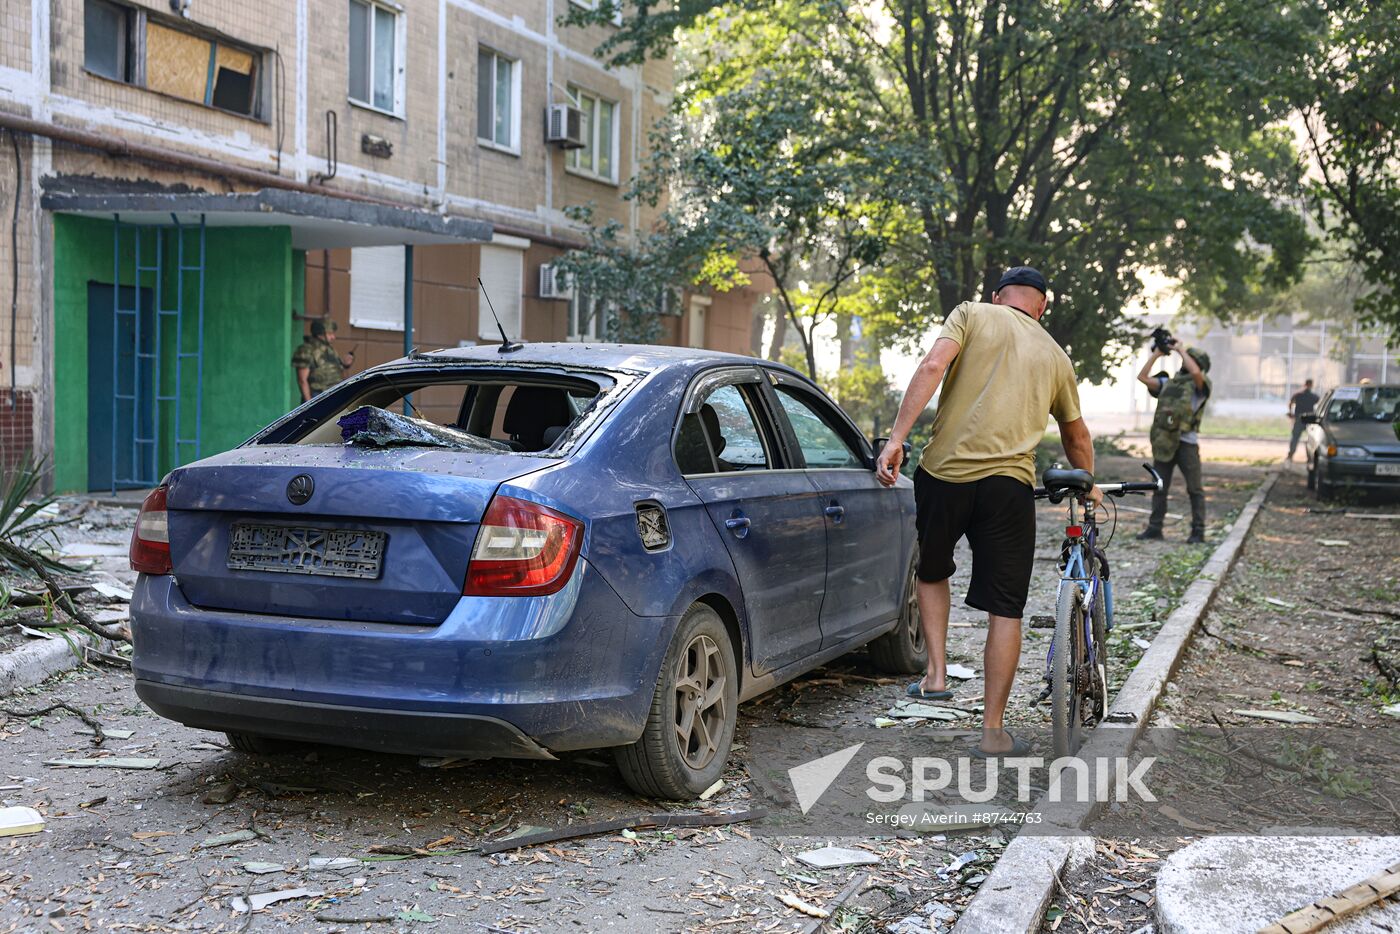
997 514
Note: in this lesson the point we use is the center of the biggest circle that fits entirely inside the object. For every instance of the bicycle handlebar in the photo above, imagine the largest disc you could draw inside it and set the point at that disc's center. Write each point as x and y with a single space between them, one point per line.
1110 489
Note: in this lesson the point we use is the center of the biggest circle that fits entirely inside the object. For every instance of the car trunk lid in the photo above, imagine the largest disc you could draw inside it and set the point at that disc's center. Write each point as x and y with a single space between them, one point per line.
333 532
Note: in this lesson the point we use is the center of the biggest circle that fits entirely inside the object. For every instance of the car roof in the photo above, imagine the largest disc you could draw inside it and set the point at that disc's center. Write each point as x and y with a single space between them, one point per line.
1366 386
643 357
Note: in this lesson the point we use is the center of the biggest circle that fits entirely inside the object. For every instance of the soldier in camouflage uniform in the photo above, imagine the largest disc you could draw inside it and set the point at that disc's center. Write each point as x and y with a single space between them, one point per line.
317 365
1181 401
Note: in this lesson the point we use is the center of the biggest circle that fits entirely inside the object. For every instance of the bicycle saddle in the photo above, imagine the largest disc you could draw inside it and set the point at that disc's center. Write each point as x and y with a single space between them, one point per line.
1061 480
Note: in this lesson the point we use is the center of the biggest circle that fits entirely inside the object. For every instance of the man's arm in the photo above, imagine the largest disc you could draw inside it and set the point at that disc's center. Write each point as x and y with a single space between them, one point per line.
302 373
1189 362
916 398
1079 448
347 361
1145 374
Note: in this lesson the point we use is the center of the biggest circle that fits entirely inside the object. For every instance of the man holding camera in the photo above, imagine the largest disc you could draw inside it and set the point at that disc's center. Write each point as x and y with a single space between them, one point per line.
1181 401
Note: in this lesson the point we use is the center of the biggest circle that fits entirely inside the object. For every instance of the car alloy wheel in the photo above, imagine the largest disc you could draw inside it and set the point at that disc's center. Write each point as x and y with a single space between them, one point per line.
694 711
701 710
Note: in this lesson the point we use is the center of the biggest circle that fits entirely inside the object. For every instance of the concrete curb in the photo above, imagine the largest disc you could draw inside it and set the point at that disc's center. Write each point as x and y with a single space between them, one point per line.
36 661
1013 898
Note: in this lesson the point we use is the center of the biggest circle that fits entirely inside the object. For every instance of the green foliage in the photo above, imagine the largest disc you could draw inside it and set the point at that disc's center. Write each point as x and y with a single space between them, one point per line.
23 510
1349 96
889 159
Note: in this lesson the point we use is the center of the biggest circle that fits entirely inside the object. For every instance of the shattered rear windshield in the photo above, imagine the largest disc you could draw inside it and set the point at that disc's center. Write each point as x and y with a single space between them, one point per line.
483 410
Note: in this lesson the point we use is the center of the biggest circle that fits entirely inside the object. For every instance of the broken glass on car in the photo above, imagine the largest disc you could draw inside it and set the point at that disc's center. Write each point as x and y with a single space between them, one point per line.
484 410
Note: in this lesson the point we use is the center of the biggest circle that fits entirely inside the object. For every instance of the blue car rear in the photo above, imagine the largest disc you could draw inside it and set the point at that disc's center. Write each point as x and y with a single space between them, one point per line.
514 600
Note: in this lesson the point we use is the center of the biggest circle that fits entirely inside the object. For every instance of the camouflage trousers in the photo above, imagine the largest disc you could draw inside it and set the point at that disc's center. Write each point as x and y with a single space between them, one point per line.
1188 458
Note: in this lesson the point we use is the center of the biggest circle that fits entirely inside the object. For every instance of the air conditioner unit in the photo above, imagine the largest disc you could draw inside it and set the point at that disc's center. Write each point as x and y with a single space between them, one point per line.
554 283
563 126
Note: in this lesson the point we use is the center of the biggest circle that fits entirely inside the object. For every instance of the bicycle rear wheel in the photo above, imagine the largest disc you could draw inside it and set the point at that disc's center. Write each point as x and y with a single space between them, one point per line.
1065 696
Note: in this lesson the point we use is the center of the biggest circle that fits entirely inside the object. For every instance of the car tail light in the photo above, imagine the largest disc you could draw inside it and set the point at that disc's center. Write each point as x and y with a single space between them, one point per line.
150 542
522 549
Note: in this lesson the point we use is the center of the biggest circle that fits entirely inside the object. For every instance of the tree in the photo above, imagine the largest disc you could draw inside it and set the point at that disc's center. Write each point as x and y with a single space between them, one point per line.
1093 138
1350 102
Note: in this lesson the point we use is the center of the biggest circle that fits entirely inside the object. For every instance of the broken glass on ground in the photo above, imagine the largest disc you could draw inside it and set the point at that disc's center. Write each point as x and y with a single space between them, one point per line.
371 426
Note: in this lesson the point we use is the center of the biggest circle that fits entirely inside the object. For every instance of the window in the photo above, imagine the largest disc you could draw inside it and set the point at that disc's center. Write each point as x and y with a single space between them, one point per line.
723 436
695 326
107 40
171 57
596 158
822 445
376 287
497 100
588 316
374 57
503 273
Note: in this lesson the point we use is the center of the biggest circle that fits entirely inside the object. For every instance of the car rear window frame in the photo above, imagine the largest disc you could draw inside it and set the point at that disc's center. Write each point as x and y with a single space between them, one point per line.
612 385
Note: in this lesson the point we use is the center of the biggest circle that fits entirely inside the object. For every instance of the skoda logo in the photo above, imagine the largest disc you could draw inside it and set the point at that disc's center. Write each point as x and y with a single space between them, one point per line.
300 489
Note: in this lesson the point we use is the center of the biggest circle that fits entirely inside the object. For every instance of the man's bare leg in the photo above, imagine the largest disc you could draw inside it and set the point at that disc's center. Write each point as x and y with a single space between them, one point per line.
1000 658
934 602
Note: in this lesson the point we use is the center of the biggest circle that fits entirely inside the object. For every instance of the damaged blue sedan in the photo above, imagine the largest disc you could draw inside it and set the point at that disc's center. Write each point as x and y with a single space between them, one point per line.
479 553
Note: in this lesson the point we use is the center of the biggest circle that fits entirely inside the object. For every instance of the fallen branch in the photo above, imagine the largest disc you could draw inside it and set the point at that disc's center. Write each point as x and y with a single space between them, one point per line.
642 822
841 898
98 735
61 598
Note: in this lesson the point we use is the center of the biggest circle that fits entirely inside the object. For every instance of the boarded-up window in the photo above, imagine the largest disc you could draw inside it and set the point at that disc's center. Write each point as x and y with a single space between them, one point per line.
195 68
503 274
376 287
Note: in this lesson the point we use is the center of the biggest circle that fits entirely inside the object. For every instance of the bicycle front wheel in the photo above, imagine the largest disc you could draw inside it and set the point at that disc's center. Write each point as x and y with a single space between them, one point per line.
1065 664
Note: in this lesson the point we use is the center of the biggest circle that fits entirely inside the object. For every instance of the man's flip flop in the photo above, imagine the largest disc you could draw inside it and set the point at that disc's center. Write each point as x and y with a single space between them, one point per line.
1019 747
916 690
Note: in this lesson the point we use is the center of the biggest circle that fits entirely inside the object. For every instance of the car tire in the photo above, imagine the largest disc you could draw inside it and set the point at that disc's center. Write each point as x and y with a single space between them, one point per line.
255 745
902 650
1312 474
689 730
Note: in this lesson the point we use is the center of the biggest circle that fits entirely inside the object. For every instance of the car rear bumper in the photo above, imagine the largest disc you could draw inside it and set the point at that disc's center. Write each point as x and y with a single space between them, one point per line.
415 732
500 676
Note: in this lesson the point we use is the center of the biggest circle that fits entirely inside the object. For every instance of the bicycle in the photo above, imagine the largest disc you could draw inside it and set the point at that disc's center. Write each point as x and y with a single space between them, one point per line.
1076 664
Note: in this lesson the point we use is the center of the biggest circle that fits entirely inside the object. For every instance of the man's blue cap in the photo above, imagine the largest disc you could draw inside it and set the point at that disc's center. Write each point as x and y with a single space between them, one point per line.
1024 275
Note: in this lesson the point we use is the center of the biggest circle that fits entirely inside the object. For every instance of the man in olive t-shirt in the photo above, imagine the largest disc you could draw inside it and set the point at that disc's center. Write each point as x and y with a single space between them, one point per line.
1005 378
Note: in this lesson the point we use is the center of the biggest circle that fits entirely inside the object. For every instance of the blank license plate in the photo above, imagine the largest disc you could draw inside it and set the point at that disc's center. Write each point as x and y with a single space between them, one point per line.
301 550
1388 470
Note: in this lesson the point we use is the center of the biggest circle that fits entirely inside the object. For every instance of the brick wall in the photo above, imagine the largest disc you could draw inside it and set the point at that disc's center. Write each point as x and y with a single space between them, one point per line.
16 427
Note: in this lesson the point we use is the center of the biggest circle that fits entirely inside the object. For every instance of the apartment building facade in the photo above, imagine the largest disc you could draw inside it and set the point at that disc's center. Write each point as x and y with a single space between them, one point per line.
191 182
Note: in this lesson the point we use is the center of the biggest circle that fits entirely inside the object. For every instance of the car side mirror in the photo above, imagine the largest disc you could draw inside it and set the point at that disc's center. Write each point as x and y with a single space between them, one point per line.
1312 419
880 443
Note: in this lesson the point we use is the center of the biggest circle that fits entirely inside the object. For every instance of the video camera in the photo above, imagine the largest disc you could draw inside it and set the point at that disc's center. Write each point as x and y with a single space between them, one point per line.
1161 340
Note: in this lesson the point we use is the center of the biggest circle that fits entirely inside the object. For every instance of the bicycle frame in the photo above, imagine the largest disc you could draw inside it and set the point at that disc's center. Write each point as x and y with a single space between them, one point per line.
1081 540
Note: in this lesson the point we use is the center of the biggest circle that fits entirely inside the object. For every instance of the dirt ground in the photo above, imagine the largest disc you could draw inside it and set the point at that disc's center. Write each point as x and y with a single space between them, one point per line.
1292 631
140 848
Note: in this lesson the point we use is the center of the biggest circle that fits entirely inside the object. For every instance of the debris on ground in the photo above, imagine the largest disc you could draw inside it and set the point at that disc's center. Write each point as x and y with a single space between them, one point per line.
19 821
260 901
913 710
836 857
1278 716
261 869
110 762
961 672
227 839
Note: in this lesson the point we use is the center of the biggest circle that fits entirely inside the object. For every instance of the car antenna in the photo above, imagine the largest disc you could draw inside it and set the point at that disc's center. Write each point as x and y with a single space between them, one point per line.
406 396
507 345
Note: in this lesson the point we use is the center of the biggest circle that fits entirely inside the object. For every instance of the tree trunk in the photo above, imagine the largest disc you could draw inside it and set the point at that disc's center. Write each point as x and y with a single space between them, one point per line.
780 325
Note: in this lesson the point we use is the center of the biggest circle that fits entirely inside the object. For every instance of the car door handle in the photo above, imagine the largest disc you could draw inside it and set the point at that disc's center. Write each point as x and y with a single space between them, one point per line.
836 511
739 525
